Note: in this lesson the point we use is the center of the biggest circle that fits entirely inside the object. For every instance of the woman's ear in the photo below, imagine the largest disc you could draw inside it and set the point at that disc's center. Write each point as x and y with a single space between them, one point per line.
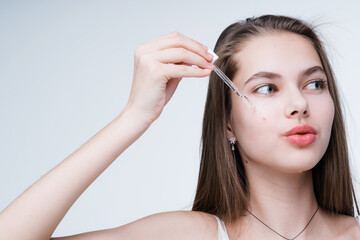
229 131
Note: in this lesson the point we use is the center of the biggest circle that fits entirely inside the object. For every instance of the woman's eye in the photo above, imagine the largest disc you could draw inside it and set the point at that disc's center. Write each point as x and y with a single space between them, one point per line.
316 85
266 89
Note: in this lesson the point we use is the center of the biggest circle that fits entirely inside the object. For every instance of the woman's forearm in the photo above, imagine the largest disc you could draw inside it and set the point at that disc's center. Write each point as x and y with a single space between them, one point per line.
36 213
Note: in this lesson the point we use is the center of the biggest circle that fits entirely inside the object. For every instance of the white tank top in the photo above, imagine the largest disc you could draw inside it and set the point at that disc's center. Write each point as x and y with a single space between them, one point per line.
222 233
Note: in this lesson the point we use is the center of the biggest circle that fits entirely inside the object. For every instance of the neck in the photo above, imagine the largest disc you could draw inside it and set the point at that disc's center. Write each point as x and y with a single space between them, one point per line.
284 201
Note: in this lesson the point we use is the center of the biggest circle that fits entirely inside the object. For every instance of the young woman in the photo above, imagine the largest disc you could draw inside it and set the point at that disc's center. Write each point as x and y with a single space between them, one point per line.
280 171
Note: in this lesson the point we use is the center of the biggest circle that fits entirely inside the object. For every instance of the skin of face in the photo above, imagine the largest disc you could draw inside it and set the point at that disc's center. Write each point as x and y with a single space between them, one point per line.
291 99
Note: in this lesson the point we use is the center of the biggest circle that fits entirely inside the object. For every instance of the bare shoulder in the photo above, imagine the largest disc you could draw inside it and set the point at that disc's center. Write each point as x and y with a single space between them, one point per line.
173 225
167 225
350 228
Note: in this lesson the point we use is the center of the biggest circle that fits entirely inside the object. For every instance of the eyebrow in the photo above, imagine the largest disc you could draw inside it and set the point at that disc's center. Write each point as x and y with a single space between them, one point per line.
272 75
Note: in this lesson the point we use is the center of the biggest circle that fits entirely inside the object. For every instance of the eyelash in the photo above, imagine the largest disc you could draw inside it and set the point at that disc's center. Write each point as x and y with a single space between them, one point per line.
321 82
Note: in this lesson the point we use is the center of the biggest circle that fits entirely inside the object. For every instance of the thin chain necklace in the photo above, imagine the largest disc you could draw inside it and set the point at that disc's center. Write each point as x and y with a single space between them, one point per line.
279 233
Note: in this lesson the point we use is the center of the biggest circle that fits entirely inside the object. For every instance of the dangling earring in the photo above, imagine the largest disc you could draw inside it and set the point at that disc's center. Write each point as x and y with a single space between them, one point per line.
232 142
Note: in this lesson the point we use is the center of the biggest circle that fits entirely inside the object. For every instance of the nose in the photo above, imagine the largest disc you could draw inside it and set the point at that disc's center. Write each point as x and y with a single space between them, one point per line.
297 106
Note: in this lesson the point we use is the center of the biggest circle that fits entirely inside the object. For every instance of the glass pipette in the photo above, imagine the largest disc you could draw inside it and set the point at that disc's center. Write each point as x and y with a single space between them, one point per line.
229 83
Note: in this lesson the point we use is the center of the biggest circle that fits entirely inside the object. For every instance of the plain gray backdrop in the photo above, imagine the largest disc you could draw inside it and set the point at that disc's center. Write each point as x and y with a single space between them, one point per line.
66 71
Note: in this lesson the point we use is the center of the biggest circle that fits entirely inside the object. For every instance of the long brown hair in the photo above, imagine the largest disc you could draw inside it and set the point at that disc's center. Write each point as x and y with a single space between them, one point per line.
222 184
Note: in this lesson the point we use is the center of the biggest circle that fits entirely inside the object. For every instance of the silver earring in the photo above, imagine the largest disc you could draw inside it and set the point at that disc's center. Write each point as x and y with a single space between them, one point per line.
232 142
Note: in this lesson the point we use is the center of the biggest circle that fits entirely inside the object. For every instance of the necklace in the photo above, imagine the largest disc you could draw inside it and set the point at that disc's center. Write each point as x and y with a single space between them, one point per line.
279 233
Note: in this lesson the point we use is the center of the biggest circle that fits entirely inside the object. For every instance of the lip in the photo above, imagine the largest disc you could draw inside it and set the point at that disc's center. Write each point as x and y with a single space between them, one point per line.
301 135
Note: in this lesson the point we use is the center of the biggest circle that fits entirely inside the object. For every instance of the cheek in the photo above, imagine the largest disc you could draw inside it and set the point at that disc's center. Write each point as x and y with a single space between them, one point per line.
254 129
322 111
323 115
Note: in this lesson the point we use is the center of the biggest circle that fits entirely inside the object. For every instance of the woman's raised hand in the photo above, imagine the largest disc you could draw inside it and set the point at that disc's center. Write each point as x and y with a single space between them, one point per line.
159 66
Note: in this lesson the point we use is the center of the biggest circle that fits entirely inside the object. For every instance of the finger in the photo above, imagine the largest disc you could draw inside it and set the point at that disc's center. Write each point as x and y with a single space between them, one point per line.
177 40
172 35
171 87
180 71
183 56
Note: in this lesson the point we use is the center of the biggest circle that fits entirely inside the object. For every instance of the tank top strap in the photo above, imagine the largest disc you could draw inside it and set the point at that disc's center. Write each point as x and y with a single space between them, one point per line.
222 233
358 219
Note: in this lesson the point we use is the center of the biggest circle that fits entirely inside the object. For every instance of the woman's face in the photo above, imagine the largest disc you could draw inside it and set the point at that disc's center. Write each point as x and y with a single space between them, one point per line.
282 75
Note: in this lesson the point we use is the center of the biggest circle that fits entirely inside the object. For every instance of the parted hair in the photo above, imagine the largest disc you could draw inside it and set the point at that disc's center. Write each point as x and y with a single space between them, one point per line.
222 187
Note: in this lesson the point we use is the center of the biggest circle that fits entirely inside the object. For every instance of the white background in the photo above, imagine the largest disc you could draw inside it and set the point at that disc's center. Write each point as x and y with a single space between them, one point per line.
66 70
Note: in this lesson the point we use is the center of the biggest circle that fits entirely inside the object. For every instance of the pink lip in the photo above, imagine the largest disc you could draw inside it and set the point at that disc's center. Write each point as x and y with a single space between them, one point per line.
301 135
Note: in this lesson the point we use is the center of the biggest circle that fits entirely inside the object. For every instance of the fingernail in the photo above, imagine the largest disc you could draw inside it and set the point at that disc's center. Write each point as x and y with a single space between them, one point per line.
209 56
205 47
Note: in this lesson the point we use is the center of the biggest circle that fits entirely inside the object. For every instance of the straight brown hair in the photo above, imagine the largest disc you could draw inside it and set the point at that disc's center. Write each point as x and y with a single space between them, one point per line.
222 183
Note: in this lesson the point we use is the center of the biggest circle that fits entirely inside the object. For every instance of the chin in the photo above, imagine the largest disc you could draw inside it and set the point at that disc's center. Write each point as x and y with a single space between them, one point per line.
298 165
